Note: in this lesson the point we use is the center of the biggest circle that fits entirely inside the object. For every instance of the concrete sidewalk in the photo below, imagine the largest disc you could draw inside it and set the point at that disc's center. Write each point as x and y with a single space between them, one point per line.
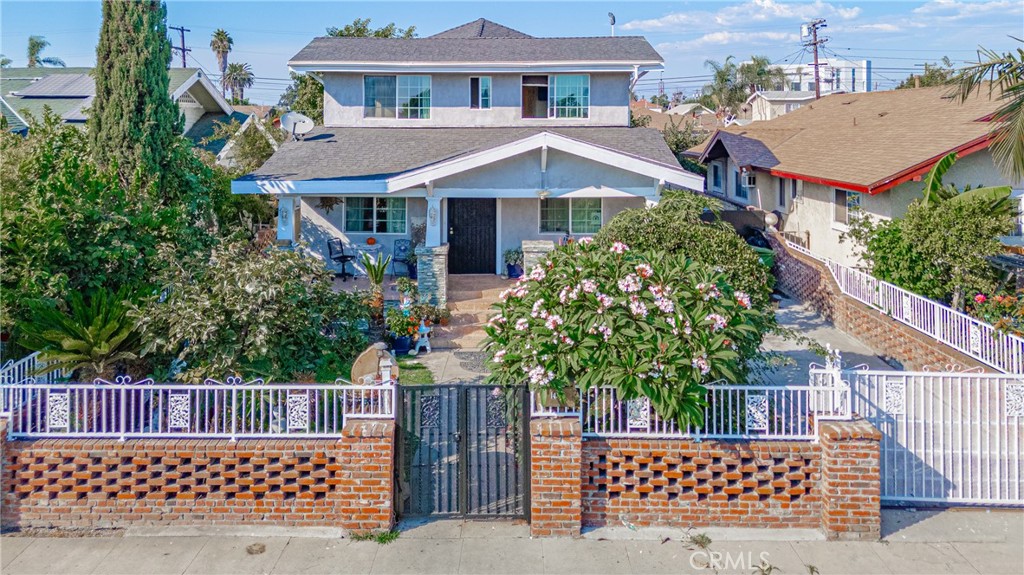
915 542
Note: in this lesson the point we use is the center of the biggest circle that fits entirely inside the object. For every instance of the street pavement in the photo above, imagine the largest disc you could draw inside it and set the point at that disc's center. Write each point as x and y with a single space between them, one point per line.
926 542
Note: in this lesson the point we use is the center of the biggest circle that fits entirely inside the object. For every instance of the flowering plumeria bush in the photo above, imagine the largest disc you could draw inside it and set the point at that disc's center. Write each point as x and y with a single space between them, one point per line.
1004 312
648 324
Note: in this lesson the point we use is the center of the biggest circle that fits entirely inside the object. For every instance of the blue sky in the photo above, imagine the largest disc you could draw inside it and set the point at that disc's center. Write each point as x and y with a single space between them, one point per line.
896 36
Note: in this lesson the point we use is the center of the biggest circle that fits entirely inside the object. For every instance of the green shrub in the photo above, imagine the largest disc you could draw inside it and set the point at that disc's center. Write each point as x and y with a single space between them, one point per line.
651 324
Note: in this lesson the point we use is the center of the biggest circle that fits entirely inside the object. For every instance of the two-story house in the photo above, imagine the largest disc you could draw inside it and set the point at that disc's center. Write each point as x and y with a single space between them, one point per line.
482 135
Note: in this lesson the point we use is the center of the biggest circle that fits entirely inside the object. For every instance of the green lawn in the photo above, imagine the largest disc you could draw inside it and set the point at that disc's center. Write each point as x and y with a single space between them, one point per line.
412 372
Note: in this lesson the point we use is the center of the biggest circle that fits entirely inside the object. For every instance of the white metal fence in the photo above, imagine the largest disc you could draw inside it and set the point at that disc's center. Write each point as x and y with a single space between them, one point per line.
960 331
22 370
733 412
947 437
235 410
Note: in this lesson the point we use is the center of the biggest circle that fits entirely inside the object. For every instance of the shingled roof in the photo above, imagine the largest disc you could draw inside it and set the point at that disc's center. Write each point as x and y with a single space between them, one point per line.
352 153
481 28
868 141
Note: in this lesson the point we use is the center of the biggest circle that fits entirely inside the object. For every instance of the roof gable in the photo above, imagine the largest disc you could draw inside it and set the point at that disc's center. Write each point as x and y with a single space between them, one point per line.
481 28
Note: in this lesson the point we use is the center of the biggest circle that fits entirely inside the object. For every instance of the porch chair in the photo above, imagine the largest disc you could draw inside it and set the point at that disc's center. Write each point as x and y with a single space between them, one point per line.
400 254
337 254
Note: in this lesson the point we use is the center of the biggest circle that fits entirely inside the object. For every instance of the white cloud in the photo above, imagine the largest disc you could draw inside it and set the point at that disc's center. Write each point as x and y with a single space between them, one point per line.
955 9
723 38
879 27
739 14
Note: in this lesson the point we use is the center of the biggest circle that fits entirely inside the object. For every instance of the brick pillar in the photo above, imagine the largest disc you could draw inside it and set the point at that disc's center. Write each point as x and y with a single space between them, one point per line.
556 475
850 480
432 270
366 487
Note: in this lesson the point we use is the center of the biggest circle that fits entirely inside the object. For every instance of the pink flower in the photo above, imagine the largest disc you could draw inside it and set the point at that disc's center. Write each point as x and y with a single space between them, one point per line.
585 241
522 323
619 248
589 286
637 307
630 283
701 363
743 299
553 322
537 308
717 322
664 304
980 298
644 270
538 273
500 355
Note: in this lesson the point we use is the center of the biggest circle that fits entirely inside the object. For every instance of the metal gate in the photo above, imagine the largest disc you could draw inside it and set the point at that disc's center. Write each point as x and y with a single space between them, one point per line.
463 451
952 438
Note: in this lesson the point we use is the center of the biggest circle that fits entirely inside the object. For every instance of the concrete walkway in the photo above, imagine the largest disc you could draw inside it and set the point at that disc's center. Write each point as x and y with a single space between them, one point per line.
915 542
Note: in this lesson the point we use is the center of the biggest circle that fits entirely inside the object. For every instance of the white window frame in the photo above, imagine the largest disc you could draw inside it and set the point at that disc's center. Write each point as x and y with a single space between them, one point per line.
374 220
848 195
480 93
398 116
716 167
551 92
738 185
540 230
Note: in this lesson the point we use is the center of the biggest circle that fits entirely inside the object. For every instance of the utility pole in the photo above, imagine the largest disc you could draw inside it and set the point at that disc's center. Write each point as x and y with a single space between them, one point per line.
811 29
182 49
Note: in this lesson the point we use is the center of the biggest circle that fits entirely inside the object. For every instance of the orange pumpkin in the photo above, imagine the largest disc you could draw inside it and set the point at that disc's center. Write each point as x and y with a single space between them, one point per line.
371 241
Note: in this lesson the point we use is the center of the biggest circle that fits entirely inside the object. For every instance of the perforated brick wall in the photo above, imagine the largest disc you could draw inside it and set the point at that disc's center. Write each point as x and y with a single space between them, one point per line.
105 483
689 484
805 279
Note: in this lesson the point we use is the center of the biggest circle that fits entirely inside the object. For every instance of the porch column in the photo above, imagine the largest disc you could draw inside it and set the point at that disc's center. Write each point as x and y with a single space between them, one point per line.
288 220
433 222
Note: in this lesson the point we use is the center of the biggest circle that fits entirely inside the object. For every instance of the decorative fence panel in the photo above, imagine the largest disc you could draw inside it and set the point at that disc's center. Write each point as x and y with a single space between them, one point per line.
235 410
733 412
959 331
947 437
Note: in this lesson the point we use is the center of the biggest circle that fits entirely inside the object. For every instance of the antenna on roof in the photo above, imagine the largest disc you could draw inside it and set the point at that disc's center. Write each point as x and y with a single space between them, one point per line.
611 20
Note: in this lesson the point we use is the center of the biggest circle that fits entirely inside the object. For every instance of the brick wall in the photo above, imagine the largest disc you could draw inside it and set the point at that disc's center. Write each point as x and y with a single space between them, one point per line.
555 477
105 483
833 484
810 282
851 491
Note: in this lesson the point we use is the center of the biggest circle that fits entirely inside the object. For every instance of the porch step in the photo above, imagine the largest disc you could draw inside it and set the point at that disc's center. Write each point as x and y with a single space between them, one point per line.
470 318
469 340
464 295
473 306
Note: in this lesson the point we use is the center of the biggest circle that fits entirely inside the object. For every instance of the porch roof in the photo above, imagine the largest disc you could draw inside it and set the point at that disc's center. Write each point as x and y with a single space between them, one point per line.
390 156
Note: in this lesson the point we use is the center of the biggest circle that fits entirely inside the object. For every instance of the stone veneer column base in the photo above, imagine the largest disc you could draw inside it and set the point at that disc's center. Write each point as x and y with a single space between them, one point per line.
432 267
535 251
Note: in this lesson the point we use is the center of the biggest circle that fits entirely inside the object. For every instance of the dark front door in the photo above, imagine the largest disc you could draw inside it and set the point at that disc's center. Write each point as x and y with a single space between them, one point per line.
471 235
462 451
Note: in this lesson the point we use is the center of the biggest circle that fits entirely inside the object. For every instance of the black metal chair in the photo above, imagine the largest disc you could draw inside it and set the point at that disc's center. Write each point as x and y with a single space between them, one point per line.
401 254
338 255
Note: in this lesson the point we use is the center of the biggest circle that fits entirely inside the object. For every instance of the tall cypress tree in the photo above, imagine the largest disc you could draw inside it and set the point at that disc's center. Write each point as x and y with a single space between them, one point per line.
133 121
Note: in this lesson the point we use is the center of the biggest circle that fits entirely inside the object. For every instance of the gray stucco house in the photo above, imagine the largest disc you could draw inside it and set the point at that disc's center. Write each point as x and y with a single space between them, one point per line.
483 135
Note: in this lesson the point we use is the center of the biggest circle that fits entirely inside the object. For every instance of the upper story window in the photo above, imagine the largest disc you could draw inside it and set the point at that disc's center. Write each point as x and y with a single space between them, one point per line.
845 206
480 92
556 96
716 177
782 193
396 97
739 186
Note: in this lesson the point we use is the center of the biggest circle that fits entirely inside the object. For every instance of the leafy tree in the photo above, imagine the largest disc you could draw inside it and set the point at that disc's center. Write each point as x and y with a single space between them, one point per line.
94 338
134 123
221 43
760 74
237 78
250 148
724 94
933 75
306 95
1005 75
661 100
36 45
676 226
5 62
241 310
649 323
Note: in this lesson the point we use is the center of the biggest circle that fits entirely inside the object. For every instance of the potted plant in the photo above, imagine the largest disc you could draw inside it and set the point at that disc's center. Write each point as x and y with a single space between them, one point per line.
444 316
514 262
402 326
412 264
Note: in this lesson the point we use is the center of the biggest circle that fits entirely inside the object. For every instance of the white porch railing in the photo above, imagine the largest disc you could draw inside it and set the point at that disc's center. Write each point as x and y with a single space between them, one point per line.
24 369
232 410
733 412
959 331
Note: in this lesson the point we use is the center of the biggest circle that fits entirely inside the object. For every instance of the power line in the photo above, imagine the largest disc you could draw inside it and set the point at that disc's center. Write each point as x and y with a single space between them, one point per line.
811 28
181 49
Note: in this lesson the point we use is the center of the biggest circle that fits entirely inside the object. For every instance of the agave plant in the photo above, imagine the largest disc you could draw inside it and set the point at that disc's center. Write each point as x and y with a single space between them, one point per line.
91 338
375 270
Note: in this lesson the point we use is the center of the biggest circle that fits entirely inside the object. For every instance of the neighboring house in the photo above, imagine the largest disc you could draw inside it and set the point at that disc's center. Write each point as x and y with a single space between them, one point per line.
770 104
483 135
693 110
834 75
69 92
868 150
261 112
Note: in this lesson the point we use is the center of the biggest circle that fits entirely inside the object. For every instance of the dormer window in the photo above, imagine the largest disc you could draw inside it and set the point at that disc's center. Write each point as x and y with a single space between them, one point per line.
406 97
480 93
556 96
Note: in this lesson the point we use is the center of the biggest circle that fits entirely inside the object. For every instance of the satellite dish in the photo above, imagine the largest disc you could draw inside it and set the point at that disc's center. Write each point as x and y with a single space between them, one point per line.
296 124
611 18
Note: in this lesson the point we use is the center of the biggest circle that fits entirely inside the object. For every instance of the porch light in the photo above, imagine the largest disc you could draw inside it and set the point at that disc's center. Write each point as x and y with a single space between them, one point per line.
543 194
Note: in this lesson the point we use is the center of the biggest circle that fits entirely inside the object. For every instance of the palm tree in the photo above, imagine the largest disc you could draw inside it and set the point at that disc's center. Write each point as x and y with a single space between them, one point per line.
36 45
724 93
5 62
937 192
221 44
238 77
759 74
1005 80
